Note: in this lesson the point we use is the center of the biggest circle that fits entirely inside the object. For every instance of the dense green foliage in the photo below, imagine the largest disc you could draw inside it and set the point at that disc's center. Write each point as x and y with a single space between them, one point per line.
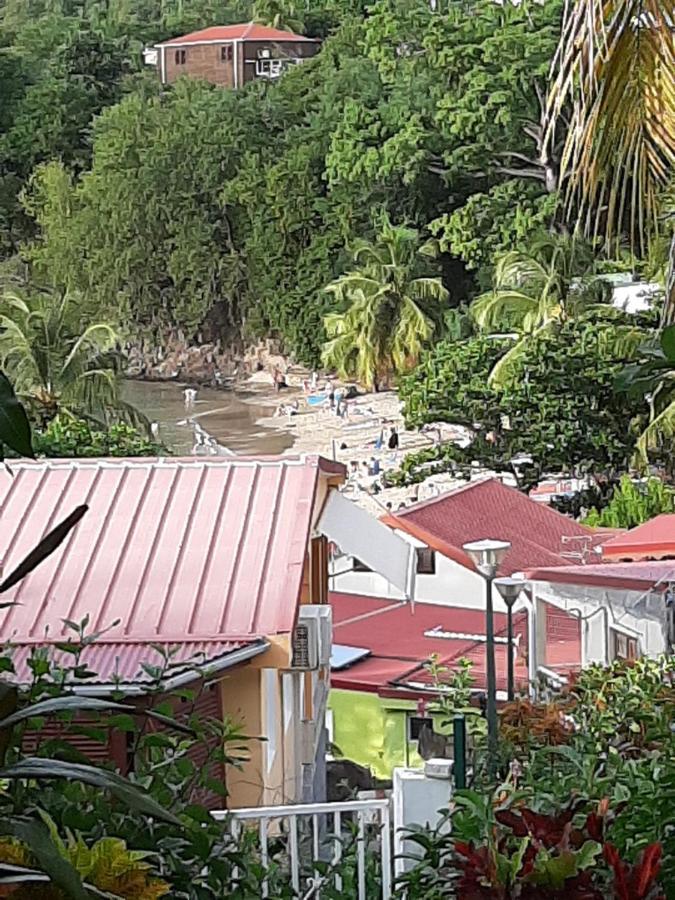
65 437
560 413
633 504
193 204
586 779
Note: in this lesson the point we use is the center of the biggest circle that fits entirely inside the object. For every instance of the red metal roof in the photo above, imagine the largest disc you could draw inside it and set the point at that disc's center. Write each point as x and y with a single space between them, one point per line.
122 663
395 634
249 31
630 576
179 550
654 539
490 509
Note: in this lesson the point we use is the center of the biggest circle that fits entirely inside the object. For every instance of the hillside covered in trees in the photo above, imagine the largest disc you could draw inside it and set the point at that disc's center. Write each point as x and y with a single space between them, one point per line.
168 207
441 173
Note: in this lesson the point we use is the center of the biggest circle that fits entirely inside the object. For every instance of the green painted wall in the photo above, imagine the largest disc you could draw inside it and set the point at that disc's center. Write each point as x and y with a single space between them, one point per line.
373 731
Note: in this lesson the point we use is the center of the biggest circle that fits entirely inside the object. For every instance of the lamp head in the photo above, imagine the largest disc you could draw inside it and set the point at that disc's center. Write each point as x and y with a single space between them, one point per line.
487 555
509 588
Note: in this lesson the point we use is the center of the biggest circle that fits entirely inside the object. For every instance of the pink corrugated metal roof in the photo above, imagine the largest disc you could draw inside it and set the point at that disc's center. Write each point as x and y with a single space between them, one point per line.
249 31
123 662
178 550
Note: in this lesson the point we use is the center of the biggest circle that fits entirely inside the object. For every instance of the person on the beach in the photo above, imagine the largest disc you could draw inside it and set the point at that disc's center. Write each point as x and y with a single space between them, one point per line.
313 383
393 438
374 468
379 443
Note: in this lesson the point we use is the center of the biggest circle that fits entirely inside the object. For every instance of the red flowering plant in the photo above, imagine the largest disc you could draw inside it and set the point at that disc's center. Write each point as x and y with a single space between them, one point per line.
529 855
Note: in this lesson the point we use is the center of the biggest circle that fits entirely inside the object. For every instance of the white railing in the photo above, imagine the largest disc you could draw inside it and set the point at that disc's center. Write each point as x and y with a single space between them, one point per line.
326 835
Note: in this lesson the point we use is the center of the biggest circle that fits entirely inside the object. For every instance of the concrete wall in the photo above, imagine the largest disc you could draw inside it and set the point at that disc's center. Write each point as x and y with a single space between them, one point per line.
636 614
241 702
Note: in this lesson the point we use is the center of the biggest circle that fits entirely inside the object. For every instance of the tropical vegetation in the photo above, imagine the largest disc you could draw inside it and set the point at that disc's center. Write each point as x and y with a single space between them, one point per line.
632 504
59 357
388 312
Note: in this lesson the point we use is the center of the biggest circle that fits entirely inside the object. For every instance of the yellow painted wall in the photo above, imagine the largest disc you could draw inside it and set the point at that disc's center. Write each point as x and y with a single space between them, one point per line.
241 702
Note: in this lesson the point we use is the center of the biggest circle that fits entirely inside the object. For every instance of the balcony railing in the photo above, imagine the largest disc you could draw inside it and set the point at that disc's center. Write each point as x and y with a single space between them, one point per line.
324 833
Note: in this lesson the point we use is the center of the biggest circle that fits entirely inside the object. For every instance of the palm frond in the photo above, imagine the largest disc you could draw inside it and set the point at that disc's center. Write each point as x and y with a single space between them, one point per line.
614 65
499 310
429 289
659 431
508 368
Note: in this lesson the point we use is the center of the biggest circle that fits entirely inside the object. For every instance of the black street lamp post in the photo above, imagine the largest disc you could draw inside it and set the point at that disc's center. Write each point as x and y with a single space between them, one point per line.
487 556
509 588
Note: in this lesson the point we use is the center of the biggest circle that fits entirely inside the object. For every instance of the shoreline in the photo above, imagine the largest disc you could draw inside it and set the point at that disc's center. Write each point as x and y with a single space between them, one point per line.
318 431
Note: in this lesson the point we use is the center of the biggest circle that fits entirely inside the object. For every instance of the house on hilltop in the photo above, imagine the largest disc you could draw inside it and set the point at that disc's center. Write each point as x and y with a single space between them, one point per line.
231 55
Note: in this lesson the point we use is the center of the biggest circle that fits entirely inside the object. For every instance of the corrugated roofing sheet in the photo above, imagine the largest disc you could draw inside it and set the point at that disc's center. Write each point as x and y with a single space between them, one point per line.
490 509
397 635
655 539
178 550
123 662
249 31
636 576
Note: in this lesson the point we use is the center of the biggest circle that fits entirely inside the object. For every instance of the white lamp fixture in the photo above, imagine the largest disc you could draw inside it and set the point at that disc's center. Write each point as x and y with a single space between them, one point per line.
509 589
487 555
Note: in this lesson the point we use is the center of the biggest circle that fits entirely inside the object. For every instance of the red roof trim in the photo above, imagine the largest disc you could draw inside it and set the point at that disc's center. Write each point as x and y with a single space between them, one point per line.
436 543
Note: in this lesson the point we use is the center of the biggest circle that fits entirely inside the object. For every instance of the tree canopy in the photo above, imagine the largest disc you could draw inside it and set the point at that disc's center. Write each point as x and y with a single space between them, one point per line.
168 207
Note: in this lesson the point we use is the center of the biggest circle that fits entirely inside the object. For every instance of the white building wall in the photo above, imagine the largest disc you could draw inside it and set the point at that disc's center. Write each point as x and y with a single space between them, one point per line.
452 584
641 615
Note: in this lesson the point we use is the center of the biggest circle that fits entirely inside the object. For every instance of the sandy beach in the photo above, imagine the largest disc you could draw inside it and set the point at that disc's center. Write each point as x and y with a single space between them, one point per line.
353 439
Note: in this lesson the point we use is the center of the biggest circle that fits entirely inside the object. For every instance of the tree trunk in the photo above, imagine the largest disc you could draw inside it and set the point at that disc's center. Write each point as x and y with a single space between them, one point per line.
668 314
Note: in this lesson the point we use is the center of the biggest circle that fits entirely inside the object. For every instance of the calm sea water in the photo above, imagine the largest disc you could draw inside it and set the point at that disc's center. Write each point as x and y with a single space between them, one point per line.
223 414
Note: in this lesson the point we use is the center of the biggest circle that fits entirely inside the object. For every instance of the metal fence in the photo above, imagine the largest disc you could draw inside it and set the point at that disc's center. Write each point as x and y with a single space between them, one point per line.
315 839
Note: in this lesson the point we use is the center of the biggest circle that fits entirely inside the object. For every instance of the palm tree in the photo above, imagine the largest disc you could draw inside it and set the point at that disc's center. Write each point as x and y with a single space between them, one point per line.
556 280
58 359
284 14
653 377
386 317
614 71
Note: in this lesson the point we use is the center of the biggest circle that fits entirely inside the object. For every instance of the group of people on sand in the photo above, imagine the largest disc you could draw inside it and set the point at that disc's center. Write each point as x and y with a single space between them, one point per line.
372 470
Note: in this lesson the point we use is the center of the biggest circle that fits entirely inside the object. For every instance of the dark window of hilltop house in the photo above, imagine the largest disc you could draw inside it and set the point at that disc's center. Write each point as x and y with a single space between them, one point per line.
180 57
226 53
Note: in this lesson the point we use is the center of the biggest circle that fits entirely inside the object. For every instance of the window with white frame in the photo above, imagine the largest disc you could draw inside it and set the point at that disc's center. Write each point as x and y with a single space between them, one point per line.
623 645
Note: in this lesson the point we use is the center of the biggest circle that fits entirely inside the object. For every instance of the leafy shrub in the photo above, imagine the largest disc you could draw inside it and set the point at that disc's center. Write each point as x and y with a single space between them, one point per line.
632 504
66 437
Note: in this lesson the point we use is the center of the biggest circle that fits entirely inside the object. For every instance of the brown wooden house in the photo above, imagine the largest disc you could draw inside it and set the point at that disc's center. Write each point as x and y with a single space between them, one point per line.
231 55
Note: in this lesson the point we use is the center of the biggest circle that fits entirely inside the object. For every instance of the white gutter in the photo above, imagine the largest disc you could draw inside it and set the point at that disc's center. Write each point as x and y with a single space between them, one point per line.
162 65
177 681
235 61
